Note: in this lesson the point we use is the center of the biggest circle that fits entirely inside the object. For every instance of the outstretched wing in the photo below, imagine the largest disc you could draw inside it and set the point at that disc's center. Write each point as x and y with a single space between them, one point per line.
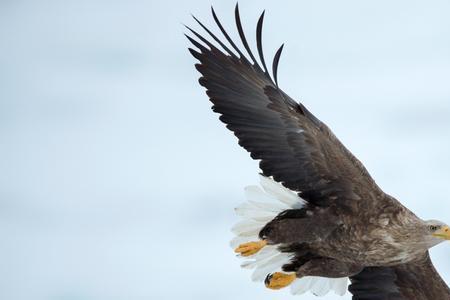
413 281
292 145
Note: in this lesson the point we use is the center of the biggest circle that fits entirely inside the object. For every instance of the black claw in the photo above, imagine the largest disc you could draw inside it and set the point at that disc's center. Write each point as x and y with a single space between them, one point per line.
268 279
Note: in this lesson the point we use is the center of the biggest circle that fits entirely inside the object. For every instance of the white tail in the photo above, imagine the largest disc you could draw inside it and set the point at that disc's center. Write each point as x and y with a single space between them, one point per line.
262 206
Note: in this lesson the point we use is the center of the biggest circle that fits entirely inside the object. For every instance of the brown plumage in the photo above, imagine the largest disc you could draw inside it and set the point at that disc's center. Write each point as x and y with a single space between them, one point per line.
349 226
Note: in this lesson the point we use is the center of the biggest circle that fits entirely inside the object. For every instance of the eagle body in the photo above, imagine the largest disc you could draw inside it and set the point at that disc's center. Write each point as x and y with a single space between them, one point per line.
364 240
373 242
318 217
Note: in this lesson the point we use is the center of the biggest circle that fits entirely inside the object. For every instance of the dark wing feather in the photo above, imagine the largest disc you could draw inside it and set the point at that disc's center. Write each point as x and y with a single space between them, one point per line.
294 147
259 42
413 281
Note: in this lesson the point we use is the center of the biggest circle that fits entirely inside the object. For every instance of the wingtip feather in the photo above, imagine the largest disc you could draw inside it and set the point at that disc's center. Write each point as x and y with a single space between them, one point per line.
276 61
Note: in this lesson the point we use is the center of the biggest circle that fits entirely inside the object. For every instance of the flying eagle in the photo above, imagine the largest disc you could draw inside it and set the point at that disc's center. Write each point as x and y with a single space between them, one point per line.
319 217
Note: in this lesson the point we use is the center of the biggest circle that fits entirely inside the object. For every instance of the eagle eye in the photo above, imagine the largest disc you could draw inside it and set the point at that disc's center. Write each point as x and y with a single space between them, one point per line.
433 227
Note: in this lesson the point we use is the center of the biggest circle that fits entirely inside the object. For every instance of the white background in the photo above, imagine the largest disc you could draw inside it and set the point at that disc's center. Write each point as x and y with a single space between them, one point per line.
118 182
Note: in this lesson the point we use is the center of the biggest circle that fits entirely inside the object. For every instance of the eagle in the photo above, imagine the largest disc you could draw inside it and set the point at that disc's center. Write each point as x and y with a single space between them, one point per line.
318 220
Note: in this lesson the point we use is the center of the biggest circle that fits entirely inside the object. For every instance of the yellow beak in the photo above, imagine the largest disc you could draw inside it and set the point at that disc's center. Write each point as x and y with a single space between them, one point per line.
443 233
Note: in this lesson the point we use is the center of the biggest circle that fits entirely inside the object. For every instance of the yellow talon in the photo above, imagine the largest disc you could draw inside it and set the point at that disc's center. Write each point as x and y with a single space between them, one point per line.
279 280
250 248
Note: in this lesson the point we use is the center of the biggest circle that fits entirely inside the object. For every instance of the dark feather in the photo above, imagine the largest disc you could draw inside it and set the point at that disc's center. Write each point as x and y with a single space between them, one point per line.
216 19
215 38
210 45
259 41
242 35
276 61
417 280
294 147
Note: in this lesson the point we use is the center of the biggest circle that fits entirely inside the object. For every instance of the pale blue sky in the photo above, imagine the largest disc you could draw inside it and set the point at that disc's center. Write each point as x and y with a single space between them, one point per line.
118 182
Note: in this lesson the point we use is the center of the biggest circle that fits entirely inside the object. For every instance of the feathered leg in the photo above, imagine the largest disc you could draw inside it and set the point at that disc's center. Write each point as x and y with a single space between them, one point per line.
327 267
320 267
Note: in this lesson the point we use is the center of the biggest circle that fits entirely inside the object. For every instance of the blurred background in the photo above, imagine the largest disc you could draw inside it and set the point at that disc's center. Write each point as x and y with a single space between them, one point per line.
118 182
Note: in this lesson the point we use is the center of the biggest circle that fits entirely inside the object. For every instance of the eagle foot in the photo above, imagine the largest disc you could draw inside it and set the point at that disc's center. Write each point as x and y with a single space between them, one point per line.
250 248
279 280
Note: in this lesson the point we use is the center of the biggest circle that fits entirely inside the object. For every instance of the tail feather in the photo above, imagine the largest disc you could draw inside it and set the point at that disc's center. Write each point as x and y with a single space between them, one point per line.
269 266
246 228
320 286
340 285
263 205
301 285
282 194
